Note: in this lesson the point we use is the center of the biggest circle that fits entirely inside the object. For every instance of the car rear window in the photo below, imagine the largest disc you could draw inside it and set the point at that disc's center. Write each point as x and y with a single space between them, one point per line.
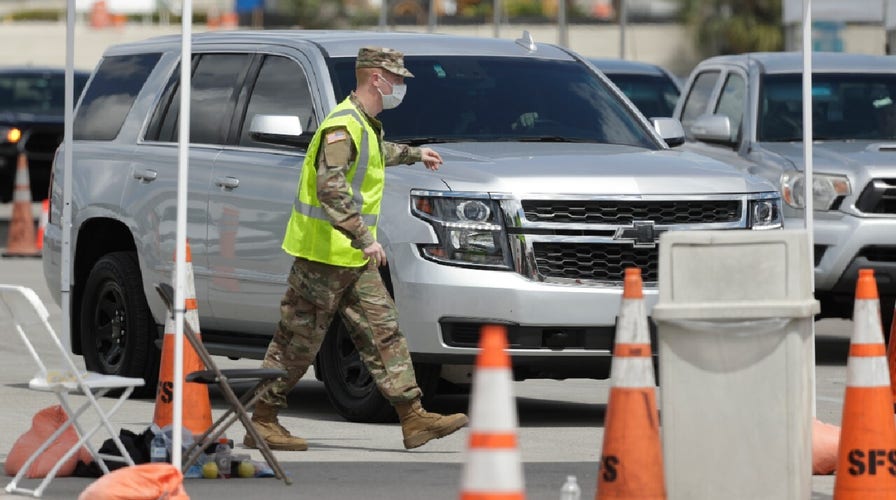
36 92
110 95
653 95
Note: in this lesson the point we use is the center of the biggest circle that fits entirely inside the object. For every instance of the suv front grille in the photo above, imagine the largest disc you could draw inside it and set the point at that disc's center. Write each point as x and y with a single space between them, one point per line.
594 261
591 240
878 197
628 211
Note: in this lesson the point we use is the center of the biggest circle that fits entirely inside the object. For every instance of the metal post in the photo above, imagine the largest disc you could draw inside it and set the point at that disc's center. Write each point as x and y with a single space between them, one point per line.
889 26
623 20
433 16
562 24
498 7
384 13
807 160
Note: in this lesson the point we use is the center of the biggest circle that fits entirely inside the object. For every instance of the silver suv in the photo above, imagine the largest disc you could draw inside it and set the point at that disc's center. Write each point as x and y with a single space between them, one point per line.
746 110
530 222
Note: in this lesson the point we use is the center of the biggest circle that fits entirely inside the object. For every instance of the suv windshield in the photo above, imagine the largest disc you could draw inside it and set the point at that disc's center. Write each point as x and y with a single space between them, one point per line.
458 98
844 107
40 93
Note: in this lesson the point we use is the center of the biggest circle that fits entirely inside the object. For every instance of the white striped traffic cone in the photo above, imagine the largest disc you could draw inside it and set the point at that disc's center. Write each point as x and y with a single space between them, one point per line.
197 415
21 241
631 464
493 469
867 452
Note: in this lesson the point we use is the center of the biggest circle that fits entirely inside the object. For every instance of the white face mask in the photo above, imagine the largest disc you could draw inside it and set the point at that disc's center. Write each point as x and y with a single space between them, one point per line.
394 99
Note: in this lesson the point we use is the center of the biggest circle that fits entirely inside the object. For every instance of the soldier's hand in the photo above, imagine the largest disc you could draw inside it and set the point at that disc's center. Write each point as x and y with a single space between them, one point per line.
431 158
376 253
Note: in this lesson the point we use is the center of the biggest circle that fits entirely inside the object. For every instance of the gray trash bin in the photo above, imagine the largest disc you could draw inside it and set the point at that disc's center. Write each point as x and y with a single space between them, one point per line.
736 356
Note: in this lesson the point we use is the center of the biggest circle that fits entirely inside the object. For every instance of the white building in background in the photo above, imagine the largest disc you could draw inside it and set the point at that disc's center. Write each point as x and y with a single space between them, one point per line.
829 18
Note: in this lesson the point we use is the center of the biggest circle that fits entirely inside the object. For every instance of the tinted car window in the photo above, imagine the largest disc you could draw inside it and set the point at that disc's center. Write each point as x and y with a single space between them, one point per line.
844 107
216 81
731 102
457 98
37 92
653 95
108 99
280 89
698 98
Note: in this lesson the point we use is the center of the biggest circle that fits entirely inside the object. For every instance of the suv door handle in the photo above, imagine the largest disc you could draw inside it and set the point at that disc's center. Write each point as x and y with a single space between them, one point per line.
147 175
227 182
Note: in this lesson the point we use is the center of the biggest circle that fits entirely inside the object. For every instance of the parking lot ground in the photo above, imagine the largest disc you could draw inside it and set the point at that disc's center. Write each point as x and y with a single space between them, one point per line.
561 429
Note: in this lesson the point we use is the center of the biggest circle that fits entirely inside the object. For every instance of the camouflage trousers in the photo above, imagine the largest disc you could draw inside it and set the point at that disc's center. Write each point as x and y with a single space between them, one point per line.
315 294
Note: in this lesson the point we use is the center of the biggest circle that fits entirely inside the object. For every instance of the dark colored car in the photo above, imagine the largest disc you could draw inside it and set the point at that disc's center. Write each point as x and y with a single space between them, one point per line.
651 88
32 109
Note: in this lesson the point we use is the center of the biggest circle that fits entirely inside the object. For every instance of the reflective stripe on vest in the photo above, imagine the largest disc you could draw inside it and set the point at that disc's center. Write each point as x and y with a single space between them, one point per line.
310 233
361 170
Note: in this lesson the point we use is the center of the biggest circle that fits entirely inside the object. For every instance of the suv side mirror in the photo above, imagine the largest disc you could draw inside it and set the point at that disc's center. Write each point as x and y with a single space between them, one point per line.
712 128
278 129
670 130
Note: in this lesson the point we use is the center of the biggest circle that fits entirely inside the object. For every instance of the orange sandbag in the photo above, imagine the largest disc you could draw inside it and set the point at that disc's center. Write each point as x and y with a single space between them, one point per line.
825 440
43 424
149 481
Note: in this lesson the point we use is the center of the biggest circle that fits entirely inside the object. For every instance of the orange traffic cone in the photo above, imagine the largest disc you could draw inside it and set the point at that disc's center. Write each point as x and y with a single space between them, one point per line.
493 469
20 240
197 415
42 225
631 464
867 451
99 15
891 357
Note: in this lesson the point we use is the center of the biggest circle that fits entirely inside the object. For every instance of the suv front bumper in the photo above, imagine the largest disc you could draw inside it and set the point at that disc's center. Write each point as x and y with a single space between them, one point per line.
440 308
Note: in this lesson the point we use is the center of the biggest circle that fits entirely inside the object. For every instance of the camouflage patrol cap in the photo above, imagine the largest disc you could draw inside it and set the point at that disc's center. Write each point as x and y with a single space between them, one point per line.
381 57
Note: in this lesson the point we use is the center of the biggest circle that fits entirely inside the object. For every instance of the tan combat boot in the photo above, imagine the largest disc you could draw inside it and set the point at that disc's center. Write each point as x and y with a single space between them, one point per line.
420 426
264 419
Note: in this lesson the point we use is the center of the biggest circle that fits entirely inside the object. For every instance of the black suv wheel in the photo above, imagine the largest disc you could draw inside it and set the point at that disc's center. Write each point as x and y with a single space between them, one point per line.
350 388
117 329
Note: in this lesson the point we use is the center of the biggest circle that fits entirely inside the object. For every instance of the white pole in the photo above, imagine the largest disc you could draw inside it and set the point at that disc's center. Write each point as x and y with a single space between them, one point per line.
623 20
431 19
562 24
68 117
384 14
497 17
180 251
807 159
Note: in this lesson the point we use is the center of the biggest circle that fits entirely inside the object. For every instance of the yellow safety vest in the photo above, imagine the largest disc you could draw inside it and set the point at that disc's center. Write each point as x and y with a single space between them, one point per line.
309 233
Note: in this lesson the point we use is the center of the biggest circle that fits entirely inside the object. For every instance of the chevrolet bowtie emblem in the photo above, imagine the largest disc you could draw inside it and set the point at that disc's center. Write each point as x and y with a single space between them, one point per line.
642 234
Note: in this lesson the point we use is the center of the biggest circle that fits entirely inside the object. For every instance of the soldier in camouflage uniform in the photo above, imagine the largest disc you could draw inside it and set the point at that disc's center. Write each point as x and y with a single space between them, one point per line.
332 235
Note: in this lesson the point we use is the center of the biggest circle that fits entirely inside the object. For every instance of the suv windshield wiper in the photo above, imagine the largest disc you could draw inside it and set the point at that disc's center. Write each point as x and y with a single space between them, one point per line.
552 138
417 141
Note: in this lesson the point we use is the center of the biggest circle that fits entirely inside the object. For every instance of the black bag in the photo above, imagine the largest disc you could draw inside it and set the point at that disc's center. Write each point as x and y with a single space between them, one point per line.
137 446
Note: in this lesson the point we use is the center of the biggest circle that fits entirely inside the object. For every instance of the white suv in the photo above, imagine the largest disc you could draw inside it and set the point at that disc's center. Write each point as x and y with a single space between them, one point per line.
530 226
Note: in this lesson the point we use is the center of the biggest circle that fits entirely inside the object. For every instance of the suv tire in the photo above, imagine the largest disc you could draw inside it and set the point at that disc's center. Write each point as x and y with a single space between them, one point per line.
117 329
350 388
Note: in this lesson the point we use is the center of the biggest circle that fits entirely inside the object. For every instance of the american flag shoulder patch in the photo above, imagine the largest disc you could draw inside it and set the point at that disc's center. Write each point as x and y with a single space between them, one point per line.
336 136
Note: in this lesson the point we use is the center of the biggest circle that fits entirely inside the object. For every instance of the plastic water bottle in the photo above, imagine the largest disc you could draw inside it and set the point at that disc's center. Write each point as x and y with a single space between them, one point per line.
570 489
222 457
158 451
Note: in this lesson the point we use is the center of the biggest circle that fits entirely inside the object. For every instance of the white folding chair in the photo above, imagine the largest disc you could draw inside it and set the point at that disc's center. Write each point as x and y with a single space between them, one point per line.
28 315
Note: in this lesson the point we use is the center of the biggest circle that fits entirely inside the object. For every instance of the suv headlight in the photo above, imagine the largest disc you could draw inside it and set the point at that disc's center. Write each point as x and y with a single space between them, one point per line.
827 190
765 213
469 227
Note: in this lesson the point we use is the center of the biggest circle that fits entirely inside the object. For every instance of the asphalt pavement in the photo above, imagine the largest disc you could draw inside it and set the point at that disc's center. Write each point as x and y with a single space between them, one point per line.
560 432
